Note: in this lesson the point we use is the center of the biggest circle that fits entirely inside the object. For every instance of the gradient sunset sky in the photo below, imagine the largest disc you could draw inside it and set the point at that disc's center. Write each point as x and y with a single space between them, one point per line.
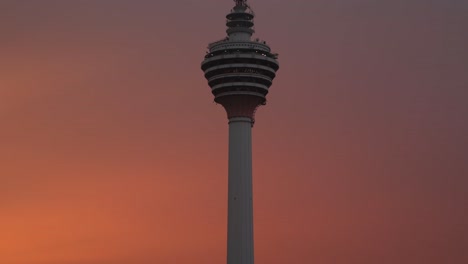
112 150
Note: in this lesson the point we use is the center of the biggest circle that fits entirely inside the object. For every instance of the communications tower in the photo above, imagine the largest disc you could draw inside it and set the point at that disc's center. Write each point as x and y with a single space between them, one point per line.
240 70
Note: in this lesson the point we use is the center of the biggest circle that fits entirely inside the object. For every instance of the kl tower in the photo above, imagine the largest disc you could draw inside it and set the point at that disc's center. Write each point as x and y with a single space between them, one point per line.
240 70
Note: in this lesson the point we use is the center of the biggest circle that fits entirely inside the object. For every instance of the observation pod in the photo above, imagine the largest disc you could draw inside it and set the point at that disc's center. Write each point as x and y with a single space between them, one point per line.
240 70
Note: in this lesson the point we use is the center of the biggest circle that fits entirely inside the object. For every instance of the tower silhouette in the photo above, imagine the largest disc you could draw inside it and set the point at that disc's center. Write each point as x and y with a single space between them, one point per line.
240 70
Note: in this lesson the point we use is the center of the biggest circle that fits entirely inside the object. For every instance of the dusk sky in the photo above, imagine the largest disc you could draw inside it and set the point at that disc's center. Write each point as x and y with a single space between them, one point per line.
112 150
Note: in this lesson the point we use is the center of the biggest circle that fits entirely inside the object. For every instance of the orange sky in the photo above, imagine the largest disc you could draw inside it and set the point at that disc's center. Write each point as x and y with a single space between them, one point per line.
113 152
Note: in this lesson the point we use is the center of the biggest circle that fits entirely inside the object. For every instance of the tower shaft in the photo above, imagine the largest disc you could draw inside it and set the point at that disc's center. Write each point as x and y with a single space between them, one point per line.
240 205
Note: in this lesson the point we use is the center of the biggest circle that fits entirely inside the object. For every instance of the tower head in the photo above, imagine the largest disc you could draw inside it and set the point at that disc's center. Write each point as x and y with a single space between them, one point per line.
239 69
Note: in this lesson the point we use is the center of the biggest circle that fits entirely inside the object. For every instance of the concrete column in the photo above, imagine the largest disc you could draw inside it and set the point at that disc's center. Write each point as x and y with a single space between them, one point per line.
240 210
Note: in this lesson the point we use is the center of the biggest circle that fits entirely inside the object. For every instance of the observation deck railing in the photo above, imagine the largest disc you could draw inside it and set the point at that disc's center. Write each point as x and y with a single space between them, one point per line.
248 10
212 44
